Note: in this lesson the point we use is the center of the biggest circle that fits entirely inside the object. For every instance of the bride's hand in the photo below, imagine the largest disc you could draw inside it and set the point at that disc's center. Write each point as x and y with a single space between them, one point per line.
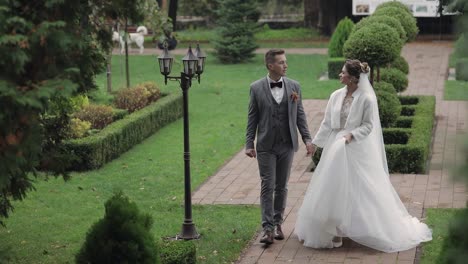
348 138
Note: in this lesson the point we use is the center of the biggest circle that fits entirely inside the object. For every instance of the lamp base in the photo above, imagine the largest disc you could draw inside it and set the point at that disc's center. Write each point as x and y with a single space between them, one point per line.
188 232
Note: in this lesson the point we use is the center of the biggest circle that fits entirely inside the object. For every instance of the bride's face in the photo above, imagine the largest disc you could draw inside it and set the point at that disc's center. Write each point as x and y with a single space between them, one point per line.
345 78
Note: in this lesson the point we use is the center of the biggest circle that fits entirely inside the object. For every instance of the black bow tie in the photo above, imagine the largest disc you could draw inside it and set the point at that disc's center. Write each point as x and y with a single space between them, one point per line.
276 84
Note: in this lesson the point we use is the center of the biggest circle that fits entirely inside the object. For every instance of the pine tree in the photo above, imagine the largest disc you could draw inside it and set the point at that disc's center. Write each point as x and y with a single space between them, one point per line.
235 40
122 236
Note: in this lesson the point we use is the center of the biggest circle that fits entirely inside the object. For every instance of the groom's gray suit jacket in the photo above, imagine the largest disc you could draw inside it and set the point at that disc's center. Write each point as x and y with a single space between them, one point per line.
260 117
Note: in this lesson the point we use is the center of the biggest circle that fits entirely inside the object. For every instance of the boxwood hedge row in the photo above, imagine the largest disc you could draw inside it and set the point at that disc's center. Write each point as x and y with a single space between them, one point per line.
408 144
95 150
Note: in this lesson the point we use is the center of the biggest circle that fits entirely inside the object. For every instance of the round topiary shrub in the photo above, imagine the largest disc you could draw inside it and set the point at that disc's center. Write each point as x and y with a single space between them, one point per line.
397 78
401 64
377 44
122 236
389 108
339 37
390 21
395 4
384 86
407 20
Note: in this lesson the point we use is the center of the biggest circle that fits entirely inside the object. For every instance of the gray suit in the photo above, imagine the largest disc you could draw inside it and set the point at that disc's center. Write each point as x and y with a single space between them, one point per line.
276 127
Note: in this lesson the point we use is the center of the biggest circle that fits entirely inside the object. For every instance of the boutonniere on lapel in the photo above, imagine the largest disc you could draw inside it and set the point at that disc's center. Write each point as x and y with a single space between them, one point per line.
294 96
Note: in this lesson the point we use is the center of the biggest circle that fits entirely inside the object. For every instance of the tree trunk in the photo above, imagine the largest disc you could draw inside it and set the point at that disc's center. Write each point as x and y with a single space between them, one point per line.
172 13
109 72
127 72
109 68
378 74
311 13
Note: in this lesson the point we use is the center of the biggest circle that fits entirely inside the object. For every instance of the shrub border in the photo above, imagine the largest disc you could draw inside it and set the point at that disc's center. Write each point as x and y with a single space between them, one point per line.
177 252
412 157
95 150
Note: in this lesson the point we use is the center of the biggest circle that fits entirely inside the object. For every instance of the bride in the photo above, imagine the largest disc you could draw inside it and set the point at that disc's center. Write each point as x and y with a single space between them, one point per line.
350 193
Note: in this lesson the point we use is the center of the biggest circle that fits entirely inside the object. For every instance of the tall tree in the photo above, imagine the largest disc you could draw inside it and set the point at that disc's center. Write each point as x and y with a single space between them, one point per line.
50 50
172 12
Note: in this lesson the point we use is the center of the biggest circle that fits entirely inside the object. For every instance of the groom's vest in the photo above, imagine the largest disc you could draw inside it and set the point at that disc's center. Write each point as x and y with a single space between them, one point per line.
280 116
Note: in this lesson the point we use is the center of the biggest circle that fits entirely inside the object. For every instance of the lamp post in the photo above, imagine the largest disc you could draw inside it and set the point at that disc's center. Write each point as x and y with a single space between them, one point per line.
194 65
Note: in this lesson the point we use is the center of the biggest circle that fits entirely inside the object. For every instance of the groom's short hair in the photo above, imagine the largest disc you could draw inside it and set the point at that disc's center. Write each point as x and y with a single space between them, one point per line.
271 54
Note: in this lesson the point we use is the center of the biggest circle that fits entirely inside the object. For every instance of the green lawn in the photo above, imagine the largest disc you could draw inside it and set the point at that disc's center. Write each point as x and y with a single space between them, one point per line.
456 90
266 38
438 220
50 225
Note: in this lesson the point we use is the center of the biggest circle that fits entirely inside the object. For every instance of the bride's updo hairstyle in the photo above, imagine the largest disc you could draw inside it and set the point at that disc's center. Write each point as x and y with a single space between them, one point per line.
355 68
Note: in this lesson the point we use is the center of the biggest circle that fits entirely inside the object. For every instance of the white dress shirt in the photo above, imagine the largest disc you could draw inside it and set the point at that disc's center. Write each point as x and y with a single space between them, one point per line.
277 92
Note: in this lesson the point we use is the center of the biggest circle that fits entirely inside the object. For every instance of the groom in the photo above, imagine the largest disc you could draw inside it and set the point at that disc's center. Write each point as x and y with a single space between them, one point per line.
275 115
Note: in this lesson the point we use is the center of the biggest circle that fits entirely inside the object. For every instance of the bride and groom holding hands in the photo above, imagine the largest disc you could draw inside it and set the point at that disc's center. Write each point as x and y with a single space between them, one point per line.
350 193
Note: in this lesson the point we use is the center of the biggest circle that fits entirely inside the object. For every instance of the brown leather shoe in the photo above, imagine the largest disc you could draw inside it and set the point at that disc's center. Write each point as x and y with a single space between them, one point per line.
279 233
267 237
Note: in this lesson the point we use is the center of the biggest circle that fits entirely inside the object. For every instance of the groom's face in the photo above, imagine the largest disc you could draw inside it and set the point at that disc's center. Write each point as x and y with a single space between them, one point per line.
279 66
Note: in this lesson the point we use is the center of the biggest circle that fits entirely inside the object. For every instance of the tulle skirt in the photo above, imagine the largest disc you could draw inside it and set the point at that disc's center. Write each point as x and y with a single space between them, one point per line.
350 195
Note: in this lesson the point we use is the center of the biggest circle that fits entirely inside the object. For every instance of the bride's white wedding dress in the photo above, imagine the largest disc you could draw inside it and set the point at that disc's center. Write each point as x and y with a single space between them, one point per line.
350 193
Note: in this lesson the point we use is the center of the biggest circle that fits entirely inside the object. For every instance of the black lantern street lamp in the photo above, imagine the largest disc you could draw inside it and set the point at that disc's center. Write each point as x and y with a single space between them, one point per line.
193 68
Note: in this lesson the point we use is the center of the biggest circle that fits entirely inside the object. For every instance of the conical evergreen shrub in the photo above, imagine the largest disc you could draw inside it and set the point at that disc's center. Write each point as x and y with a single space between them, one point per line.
235 41
122 236
339 37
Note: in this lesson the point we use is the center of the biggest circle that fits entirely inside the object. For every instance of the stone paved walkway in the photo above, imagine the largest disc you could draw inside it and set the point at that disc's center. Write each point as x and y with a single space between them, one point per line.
238 182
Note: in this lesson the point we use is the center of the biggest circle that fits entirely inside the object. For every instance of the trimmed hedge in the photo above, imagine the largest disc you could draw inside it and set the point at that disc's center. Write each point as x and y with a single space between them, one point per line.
411 157
334 67
177 252
97 149
461 70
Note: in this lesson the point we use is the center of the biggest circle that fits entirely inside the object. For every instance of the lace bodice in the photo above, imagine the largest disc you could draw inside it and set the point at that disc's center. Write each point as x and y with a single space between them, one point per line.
345 110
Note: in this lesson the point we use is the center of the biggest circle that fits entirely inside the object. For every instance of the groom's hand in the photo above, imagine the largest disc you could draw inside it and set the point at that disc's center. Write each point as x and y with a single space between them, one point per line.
251 153
311 148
